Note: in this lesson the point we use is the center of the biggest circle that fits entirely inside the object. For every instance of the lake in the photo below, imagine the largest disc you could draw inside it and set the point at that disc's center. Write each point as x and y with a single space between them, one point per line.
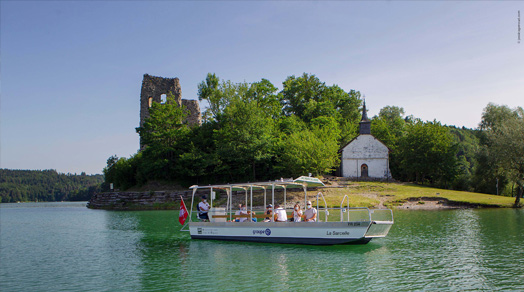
67 247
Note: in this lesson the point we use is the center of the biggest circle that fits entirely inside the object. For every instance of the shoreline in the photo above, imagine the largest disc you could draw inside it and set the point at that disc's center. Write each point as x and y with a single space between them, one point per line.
401 196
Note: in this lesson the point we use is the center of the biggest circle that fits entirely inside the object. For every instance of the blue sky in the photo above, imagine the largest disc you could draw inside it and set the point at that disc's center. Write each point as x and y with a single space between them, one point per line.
71 71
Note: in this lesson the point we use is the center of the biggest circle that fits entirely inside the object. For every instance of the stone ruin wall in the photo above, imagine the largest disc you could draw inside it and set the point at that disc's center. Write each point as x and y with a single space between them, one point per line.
153 87
193 106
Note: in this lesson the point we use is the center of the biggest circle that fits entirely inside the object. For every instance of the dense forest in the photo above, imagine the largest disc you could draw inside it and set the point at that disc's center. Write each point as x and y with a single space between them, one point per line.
253 131
47 186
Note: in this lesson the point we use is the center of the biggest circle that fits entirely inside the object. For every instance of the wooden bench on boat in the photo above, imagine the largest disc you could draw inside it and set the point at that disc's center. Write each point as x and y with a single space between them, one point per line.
241 216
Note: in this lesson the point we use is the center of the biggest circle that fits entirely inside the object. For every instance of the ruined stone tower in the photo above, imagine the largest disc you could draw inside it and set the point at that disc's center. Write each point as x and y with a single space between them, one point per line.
153 89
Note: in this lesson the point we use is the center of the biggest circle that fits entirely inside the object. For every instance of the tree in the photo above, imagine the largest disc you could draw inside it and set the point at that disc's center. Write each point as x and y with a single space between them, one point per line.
427 153
494 115
45 185
121 172
165 126
468 147
309 98
264 93
505 141
312 150
298 92
389 127
163 134
208 90
247 132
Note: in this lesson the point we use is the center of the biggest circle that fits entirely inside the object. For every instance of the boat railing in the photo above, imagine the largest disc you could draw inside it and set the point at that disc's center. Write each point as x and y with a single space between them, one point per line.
355 214
326 209
342 210
347 214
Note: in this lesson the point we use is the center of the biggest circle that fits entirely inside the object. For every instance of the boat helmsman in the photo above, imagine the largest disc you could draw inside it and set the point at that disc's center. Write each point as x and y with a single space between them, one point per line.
204 207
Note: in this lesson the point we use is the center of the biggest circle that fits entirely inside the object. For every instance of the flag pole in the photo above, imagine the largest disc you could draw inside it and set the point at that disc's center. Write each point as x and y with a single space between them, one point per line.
183 214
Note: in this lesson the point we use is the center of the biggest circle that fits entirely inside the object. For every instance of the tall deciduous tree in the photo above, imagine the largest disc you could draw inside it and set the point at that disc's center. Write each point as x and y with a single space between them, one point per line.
309 98
311 150
389 126
165 125
427 153
162 133
245 138
208 90
505 141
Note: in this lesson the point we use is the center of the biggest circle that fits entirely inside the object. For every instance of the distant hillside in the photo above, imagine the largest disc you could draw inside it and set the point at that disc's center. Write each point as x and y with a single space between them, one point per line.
47 186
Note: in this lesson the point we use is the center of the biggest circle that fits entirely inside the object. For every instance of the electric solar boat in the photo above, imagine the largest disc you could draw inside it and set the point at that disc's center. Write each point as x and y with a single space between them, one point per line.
334 225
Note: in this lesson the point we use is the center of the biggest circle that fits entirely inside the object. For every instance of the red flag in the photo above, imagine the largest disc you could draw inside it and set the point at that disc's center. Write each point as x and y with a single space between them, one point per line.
182 215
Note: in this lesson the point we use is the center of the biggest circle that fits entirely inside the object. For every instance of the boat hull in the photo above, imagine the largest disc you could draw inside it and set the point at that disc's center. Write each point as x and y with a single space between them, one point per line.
317 233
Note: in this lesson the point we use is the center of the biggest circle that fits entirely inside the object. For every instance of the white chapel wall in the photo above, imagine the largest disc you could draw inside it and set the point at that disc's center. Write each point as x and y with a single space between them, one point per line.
365 149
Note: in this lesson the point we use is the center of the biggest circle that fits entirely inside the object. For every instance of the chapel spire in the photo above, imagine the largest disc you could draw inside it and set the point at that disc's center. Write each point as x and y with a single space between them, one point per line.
365 123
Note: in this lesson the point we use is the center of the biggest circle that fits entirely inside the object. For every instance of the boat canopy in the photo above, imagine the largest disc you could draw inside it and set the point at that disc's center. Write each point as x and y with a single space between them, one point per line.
301 182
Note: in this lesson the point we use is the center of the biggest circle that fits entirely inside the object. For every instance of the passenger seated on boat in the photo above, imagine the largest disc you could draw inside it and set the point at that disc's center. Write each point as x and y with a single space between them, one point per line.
297 213
243 211
310 215
203 208
280 214
269 212
240 212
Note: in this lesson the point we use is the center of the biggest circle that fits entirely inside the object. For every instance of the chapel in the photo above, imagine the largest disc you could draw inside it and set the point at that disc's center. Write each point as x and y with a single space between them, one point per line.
365 157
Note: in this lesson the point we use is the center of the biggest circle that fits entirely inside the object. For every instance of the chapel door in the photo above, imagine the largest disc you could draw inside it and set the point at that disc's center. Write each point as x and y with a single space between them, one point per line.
364 170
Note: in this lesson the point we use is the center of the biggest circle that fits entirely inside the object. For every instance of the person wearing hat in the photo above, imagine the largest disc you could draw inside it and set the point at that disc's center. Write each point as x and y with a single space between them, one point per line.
310 215
203 207
269 211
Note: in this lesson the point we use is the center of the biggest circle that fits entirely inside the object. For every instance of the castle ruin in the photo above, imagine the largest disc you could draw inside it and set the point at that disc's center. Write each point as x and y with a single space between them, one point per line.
155 88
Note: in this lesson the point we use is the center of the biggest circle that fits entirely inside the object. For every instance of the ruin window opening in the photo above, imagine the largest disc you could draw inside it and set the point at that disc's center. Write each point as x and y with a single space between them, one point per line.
150 101
163 98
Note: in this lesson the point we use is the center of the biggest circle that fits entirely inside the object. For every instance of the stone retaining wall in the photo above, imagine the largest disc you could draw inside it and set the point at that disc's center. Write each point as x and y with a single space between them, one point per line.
139 200
170 199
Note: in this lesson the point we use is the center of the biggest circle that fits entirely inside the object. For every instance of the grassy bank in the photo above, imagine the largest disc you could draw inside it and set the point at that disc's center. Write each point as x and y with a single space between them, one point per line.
372 194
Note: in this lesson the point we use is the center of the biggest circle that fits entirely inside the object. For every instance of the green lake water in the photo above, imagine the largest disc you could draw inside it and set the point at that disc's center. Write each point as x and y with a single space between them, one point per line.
67 247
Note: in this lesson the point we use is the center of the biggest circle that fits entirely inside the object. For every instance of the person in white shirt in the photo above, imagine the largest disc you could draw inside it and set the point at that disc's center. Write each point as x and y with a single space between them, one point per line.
242 211
310 215
203 207
297 213
280 214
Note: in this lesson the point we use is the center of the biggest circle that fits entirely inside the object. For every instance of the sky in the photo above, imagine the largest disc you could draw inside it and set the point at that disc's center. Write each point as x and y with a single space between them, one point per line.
71 71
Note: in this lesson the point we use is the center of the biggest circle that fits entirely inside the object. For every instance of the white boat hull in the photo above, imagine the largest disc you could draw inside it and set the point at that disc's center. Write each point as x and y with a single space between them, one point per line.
322 233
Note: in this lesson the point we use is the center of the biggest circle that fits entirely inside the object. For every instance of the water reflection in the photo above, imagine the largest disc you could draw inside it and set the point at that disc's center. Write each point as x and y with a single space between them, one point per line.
463 262
441 250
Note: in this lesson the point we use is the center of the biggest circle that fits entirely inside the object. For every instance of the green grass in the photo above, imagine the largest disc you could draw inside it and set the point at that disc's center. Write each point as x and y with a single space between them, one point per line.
361 195
334 196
